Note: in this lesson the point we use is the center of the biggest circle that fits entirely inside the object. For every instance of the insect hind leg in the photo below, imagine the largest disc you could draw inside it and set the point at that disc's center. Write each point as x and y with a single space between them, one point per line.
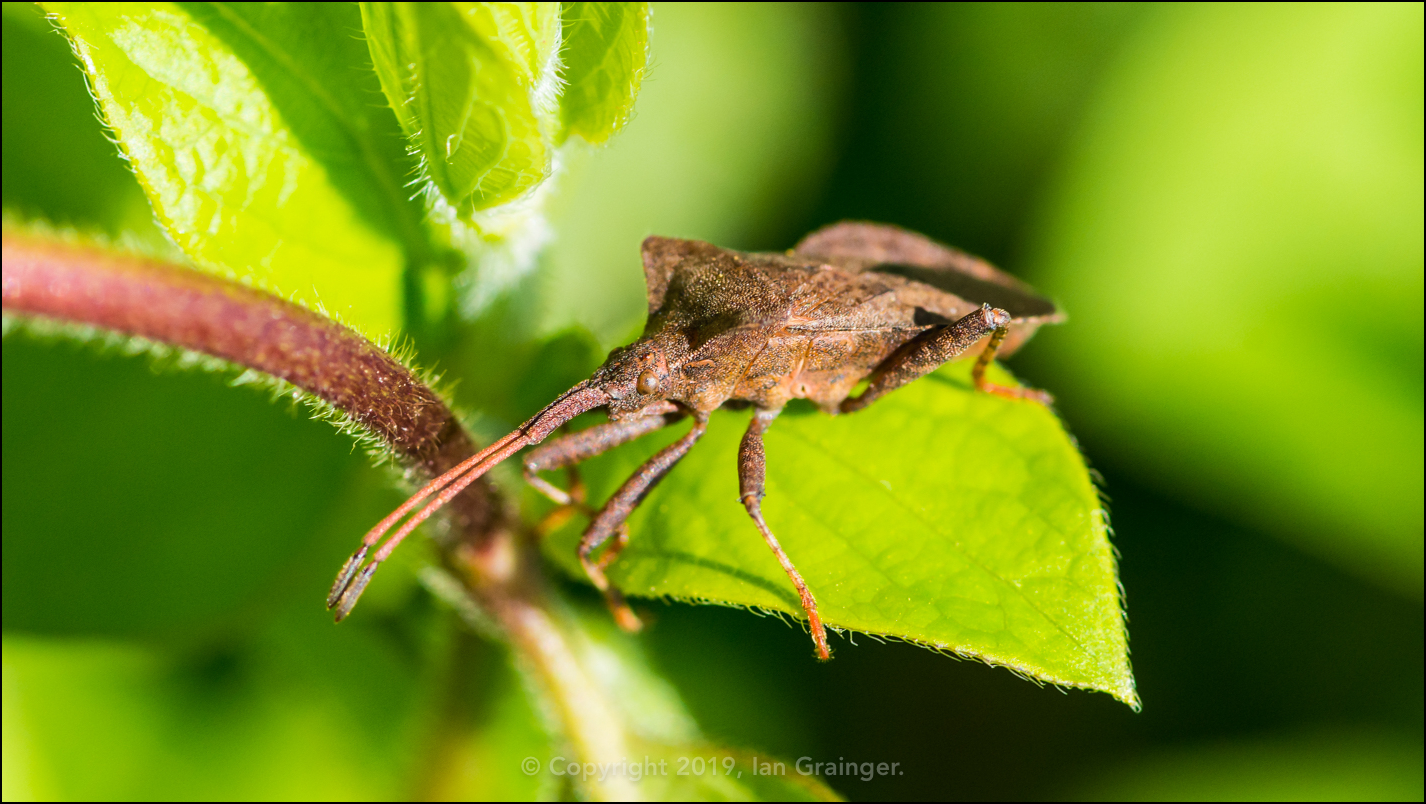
982 384
933 348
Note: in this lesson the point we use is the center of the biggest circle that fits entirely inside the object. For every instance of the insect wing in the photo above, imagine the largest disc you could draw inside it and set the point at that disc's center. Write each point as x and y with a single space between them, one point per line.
872 247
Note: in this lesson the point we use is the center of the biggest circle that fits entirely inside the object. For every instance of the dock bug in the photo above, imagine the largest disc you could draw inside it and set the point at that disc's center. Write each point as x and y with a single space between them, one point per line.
852 302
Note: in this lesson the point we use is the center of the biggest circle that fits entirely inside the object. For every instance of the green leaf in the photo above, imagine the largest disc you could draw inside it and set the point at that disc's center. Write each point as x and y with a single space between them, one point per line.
465 80
1239 238
227 149
959 520
604 53
323 85
528 32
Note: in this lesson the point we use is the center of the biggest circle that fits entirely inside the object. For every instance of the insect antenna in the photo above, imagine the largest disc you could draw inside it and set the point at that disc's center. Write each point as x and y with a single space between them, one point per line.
353 577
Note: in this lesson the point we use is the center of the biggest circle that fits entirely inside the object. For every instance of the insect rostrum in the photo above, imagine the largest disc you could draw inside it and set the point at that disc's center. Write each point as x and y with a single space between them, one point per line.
852 302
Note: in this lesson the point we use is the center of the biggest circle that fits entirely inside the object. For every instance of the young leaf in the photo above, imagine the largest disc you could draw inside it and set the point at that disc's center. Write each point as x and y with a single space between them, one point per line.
330 97
604 53
464 80
958 520
224 150
529 33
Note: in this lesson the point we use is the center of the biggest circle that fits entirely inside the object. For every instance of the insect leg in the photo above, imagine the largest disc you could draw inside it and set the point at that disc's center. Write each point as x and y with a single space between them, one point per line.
752 469
981 384
568 450
612 516
926 352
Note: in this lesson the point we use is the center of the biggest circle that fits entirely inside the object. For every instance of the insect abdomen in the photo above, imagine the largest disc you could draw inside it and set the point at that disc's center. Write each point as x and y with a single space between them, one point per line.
822 367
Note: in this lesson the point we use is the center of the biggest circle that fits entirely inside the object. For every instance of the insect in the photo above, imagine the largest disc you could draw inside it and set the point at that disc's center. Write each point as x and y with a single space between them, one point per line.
852 302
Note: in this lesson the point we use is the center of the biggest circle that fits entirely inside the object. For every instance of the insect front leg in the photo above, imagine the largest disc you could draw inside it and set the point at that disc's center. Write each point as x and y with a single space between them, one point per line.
752 471
567 451
611 518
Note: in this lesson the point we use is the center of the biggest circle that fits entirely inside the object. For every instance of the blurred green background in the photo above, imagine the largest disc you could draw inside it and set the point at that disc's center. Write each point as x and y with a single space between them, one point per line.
1228 202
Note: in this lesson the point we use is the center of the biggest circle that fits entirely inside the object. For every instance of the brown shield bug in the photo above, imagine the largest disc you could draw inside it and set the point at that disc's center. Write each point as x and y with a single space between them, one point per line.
852 302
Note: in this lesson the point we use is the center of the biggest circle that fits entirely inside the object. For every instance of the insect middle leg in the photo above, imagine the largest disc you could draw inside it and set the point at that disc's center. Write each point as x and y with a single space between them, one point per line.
612 517
752 471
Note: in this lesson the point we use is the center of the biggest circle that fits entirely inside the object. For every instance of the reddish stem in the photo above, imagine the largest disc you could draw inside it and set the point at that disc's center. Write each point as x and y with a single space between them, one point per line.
252 328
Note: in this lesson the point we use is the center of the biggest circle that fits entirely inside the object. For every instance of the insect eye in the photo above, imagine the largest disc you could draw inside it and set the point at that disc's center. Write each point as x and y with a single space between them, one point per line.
648 382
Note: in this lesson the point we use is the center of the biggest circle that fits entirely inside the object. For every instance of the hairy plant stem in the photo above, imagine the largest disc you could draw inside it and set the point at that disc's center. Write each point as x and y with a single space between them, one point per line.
182 308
